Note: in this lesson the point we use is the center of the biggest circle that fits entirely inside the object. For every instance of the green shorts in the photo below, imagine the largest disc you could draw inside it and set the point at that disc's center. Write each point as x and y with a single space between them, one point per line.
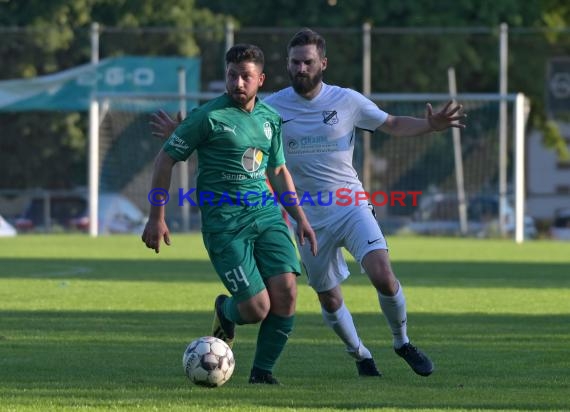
244 258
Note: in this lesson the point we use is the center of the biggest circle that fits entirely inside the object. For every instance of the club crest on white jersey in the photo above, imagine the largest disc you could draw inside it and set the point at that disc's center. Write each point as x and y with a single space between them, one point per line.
330 117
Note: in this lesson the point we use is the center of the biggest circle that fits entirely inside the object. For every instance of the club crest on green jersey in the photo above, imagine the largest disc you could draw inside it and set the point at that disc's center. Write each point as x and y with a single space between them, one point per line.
267 130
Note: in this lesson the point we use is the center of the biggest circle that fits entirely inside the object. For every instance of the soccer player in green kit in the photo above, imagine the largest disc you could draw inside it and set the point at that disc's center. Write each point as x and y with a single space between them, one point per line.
238 141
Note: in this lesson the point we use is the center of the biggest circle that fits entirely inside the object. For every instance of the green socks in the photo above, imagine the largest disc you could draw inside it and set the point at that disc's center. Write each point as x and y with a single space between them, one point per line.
231 312
271 339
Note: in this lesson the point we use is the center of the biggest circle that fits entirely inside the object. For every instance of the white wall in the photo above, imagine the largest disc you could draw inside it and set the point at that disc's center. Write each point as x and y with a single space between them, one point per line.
543 177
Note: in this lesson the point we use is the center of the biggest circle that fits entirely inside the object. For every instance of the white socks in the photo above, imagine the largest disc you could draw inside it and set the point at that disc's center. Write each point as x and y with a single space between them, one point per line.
343 325
394 309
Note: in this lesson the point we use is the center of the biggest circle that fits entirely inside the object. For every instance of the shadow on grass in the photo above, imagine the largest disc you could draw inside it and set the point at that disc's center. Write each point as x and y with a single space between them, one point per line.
449 274
482 361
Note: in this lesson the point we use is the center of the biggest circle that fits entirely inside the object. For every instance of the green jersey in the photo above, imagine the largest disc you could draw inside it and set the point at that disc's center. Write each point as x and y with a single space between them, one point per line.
234 149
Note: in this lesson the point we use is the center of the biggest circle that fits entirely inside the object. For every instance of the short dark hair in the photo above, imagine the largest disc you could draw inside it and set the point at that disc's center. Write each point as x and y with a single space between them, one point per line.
307 37
245 53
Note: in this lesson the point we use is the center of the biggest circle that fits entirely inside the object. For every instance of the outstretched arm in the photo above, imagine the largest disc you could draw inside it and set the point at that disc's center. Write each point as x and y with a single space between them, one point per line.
450 116
162 125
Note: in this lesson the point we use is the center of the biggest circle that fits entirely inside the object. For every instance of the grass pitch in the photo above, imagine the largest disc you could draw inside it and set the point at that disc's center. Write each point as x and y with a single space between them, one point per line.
101 324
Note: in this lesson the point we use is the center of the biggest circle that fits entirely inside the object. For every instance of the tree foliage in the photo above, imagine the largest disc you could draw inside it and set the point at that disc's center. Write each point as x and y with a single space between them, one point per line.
418 62
57 38
49 149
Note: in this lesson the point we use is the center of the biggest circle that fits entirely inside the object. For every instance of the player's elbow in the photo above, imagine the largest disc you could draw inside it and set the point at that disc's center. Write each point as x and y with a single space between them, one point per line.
163 161
390 126
273 172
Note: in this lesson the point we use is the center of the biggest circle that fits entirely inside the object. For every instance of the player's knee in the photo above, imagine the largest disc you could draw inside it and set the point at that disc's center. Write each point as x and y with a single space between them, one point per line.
255 309
289 295
330 302
381 275
283 294
284 302
387 285
258 316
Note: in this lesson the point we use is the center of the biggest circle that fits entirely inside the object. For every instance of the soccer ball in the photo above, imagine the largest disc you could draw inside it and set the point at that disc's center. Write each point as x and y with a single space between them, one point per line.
208 361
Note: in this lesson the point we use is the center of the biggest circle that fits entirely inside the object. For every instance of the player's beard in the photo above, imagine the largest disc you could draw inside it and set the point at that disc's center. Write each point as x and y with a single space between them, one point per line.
240 96
303 84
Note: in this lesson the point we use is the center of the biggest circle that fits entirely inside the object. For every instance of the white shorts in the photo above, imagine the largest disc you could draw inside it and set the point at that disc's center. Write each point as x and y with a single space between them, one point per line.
357 231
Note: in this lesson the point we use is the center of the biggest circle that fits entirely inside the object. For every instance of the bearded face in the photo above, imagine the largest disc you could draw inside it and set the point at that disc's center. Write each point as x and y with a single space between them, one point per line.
305 69
243 80
304 83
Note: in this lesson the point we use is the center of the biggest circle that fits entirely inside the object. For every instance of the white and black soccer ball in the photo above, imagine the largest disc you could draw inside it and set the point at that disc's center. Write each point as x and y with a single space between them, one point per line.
208 361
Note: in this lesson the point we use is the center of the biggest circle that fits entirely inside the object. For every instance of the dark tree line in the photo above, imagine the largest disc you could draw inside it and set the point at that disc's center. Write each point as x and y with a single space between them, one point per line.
49 149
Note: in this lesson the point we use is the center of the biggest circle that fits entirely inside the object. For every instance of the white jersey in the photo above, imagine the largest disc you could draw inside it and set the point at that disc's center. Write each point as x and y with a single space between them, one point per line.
318 141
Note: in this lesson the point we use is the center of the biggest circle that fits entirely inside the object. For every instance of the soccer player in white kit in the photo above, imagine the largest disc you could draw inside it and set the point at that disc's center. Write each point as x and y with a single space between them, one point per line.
319 124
